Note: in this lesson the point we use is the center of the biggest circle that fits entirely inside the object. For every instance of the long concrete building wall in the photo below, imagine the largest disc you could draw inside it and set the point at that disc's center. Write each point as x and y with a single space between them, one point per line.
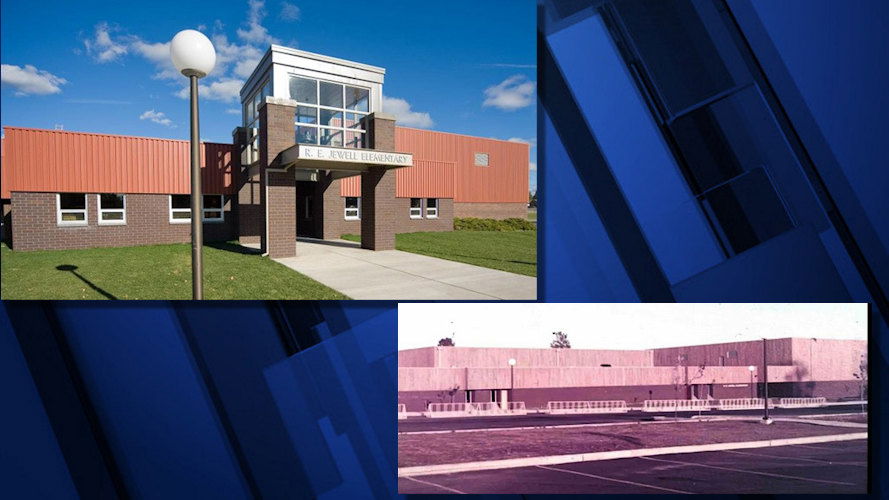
438 379
483 357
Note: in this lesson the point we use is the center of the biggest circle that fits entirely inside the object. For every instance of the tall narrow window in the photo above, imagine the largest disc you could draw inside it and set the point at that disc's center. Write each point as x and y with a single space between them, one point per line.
353 210
431 208
71 209
112 209
416 208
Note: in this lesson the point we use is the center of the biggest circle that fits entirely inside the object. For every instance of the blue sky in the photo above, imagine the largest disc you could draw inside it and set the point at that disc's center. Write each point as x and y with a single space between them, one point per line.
465 67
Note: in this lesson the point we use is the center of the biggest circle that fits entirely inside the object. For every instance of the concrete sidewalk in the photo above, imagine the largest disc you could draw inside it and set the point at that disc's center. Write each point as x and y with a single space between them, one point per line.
396 275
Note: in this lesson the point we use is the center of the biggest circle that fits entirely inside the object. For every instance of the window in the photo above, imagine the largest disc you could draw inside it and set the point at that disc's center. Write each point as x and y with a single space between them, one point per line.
416 208
71 209
481 159
353 209
251 120
431 208
180 208
329 114
112 209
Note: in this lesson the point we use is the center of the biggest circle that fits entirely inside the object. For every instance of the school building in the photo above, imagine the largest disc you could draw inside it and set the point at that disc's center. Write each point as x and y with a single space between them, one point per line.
797 367
314 156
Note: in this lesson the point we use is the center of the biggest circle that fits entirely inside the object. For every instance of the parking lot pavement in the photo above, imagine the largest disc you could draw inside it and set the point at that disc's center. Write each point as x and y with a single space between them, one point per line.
422 424
823 468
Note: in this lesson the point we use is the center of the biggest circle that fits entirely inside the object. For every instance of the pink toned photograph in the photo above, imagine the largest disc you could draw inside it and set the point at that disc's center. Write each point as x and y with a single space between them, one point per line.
632 398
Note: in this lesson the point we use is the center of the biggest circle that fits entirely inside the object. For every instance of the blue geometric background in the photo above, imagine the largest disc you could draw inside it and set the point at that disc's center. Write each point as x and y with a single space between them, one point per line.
295 400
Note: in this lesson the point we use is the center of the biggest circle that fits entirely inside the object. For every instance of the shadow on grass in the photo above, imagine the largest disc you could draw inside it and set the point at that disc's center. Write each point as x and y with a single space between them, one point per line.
228 246
73 270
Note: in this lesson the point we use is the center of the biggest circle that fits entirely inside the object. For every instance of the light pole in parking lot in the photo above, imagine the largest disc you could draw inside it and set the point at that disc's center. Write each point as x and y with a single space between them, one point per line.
511 375
765 382
752 387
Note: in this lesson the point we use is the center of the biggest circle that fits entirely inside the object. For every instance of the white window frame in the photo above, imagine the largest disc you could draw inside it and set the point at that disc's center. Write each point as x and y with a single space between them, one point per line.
121 222
416 212
355 129
432 212
487 157
221 211
357 215
84 210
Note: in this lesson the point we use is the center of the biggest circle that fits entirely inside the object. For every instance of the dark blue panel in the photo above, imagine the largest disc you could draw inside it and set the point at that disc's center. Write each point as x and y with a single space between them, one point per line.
150 400
31 462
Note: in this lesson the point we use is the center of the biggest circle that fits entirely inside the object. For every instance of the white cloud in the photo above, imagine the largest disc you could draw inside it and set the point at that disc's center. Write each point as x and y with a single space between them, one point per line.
221 90
102 47
233 111
532 141
404 115
256 32
511 94
532 166
289 12
156 117
30 80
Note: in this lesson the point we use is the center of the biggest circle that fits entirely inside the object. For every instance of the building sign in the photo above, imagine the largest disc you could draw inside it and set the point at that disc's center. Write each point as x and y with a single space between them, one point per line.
735 385
366 156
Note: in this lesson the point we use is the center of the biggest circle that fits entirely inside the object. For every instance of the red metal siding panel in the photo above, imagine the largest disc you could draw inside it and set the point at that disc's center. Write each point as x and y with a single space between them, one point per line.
351 186
4 170
61 161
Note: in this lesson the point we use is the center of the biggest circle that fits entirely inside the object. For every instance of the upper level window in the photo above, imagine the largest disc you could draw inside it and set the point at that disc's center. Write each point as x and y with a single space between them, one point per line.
251 120
112 208
431 208
353 210
481 159
416 208
71 209
180 208
329 114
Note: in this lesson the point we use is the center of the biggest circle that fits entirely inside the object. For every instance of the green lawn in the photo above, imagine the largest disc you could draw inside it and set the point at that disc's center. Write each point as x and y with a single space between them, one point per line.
513 251
532 214
152 272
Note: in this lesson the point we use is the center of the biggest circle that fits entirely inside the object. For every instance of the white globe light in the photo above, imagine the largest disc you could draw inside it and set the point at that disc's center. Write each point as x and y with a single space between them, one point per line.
192 53
511 362
751 368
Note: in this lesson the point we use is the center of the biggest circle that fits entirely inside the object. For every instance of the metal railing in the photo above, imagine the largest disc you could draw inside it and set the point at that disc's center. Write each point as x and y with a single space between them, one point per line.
559 407
741 404
438 410
402 412
801 402
652 405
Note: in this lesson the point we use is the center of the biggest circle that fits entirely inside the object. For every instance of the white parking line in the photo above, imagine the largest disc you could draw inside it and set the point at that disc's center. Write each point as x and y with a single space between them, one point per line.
826 462
611 479
452 490
769 474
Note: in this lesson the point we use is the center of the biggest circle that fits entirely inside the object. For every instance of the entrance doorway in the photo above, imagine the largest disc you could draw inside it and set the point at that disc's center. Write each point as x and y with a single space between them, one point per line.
308 220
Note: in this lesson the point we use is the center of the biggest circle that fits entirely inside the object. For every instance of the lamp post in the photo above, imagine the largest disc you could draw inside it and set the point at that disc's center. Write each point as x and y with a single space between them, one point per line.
194 56
765 383
511 375
752 369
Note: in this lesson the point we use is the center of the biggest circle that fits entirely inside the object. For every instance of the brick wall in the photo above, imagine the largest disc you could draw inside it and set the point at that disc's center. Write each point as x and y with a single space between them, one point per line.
276 135
251 213
378 202
491 210
147 223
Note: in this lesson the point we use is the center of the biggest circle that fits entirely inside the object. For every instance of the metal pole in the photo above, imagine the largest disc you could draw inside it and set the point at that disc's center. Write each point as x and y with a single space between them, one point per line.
197 228
752 387
765 381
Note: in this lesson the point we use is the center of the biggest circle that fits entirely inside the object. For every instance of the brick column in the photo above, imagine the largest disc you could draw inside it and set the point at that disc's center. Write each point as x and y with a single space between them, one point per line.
378 205
331 213
277 188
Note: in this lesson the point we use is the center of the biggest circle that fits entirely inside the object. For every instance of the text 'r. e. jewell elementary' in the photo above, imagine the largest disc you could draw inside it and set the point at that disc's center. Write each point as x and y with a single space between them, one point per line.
315 156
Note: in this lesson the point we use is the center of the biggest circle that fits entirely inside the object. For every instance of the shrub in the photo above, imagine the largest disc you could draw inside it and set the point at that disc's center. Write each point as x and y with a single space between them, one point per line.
476 224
